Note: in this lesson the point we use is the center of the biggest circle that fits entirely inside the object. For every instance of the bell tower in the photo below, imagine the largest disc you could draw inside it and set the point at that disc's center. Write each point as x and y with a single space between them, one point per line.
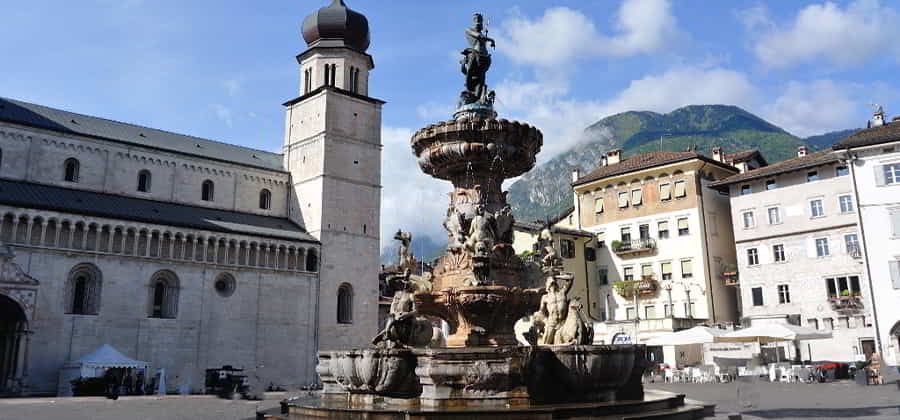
332 149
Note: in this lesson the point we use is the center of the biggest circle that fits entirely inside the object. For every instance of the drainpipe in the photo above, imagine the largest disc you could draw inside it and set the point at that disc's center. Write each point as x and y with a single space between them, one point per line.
587 283
709 272
850 159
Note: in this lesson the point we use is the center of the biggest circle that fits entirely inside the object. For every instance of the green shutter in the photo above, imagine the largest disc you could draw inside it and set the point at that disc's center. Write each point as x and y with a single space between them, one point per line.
879 175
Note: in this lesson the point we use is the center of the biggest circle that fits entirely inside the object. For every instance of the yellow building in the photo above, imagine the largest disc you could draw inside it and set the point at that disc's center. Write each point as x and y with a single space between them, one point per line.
577 248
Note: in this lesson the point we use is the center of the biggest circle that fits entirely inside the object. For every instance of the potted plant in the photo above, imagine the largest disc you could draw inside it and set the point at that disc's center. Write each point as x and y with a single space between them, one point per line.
616 245
624 288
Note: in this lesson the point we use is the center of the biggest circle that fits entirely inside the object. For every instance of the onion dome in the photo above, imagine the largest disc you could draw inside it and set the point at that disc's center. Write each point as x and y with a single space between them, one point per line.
337 26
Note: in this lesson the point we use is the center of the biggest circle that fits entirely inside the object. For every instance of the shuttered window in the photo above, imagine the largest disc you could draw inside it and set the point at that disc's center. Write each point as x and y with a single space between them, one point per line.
683 227
636 197
598 205
680 189
665 192
623 200
687 269
666 269
647 270
895 273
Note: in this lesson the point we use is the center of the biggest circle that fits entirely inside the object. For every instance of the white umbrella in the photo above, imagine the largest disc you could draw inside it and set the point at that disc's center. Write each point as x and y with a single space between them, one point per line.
696 335
768 333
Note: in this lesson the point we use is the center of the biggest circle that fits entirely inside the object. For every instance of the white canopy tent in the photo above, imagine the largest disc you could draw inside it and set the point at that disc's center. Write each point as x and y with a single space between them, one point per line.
772 333
94 365
697 335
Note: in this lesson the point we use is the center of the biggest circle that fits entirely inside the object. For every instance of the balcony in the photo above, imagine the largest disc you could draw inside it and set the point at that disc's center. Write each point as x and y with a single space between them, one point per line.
854 251
633 247
846 303
730 276
645 287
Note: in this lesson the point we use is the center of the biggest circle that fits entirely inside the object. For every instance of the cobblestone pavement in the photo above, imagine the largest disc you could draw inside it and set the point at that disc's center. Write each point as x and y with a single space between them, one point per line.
137 408
838 400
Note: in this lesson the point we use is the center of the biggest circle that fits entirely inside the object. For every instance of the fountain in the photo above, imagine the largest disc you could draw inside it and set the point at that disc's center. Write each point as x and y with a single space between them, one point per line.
481 288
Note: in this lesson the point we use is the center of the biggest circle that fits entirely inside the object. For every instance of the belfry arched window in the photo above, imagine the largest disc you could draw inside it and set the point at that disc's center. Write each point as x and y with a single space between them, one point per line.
70 170
208 191
265 199
345 304
83 289
143 184
164 289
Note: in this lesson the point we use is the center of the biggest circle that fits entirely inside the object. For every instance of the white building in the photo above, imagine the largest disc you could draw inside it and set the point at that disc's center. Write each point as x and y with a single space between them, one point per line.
664 241
190 253
875 185
798 252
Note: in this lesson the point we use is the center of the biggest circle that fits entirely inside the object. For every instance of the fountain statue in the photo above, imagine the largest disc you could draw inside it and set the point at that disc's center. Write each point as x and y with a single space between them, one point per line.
480 288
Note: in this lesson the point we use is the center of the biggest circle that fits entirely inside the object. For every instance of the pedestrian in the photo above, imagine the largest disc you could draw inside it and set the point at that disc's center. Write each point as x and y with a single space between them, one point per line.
112 384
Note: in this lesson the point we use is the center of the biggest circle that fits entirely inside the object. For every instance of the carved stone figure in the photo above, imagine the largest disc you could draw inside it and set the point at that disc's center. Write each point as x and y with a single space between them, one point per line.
504 220
475 63
550 260
454 225
406 260
404 327
554 307
576 329
481 232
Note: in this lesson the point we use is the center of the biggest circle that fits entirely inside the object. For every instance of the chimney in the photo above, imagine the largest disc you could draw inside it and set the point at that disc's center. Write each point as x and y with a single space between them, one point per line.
603 160
717 154
576 173
802 151
877 116
613 156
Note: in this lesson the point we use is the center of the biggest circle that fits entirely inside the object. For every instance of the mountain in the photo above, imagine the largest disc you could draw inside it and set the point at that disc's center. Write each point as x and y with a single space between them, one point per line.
823 141
546 191
423 247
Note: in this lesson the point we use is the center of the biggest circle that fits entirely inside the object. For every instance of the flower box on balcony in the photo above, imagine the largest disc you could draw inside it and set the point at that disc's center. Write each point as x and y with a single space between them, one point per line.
636 246
846 303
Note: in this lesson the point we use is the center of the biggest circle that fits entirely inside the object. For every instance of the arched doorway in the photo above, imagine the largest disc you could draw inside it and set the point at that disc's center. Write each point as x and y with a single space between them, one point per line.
13 331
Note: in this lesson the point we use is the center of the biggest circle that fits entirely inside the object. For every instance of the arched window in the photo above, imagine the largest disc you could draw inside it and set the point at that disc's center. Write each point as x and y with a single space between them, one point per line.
70 168
345 304
208 191
265 199
83 290
164 295
312 261
144 181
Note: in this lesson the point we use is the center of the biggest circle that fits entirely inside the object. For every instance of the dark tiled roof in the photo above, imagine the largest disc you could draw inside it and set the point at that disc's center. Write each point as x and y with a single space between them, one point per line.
871 136
808 161
66 200
644 161
745 156
38 116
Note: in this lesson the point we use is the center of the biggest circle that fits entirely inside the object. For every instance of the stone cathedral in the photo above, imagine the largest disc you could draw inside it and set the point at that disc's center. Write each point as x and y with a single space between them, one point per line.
189 253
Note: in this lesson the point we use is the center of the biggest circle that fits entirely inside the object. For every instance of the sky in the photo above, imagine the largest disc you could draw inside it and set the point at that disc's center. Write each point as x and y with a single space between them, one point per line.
221 69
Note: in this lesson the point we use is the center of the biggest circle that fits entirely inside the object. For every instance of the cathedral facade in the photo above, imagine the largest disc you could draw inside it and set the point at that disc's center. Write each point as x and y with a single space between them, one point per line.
189 253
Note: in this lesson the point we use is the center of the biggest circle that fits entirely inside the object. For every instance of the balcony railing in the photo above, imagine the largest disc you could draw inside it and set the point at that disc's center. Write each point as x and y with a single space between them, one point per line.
647 286
854 251
846 303
730 276
634 246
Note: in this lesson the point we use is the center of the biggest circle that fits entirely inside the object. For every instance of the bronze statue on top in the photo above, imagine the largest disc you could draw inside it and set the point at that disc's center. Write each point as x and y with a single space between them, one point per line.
475 63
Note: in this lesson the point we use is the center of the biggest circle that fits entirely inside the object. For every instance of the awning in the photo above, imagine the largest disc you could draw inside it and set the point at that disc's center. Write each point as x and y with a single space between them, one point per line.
696 335
771 333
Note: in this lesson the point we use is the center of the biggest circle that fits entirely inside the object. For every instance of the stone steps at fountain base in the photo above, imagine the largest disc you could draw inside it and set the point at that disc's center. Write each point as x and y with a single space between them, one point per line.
656 405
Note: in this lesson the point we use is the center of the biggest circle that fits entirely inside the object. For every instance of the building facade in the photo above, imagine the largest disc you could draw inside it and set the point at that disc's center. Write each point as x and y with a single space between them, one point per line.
798 252
189 253
664 240
873 157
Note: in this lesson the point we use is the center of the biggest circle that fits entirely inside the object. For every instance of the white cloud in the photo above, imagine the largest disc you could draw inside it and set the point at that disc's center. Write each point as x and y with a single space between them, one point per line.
806 109
845 37
223 113
549 105
563 35
410 199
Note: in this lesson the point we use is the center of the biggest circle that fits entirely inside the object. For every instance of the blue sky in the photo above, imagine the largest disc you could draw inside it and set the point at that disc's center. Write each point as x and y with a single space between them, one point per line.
221 69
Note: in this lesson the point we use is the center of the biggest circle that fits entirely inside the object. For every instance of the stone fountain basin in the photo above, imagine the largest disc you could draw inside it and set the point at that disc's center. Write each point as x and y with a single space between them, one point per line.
382 372
555 374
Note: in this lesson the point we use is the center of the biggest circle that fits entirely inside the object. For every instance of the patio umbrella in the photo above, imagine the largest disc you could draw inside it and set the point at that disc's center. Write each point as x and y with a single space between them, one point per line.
772 333
696 335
